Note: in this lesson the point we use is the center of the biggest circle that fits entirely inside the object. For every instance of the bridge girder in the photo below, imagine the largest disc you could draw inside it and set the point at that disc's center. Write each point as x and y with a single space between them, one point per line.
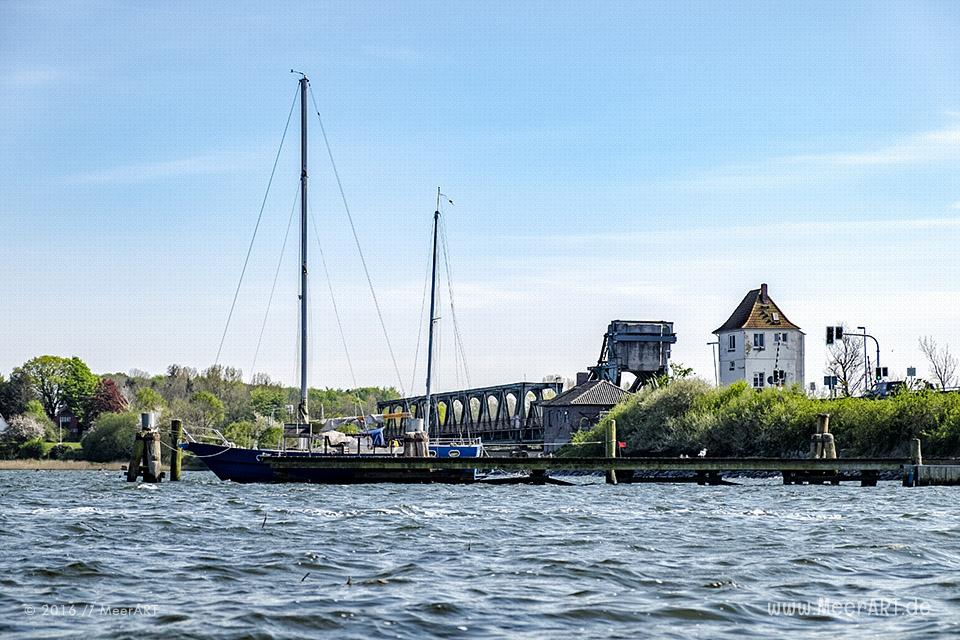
502 413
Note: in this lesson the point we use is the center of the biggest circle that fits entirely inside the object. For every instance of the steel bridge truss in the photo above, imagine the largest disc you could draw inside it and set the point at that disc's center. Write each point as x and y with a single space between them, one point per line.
504 413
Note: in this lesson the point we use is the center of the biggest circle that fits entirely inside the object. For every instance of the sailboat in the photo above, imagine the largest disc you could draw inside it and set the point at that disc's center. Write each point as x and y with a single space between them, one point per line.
243 464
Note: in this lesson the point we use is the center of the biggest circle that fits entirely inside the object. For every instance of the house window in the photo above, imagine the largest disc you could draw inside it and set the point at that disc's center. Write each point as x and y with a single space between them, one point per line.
758 379
731 365
780 337
731 342
758 341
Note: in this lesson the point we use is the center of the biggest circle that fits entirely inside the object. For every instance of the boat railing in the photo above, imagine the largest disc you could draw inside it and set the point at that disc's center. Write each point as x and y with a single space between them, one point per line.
457 442
199 434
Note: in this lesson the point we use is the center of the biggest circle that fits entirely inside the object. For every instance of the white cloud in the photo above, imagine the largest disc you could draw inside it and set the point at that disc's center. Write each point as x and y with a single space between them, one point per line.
820 224
218 162
942 145
32 78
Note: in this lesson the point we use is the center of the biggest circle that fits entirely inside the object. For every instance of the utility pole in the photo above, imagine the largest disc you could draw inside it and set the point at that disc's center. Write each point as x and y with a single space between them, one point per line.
714 346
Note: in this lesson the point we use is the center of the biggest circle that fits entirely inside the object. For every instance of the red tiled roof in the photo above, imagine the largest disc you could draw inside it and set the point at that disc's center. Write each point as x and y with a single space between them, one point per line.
757 310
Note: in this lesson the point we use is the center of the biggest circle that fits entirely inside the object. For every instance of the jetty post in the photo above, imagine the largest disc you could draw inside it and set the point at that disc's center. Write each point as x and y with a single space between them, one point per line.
176 456
611 450
145 460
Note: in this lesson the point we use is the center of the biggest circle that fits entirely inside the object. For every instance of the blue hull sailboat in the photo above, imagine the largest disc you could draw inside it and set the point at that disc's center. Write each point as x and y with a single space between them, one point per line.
244 465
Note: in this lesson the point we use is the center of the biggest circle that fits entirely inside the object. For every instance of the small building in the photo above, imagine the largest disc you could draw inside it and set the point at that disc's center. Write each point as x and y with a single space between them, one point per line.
575 409
67 424
759 344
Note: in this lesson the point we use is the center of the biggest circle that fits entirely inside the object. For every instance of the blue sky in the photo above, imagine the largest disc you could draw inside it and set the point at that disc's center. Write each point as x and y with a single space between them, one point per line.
624 160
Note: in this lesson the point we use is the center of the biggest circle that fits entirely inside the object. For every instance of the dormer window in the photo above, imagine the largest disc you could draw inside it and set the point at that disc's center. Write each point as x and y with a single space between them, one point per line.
776 317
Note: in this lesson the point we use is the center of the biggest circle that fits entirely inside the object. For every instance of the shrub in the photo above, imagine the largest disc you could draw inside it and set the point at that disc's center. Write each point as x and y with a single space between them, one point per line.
687 415
59 452
111 437
31 449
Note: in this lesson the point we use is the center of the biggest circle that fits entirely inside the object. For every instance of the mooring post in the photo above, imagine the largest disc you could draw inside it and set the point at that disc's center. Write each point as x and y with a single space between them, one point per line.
133 468
915 456
611 449
176 456
829 449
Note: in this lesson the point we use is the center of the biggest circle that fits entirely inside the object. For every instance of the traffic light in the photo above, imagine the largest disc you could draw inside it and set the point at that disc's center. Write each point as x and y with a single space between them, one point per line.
838 333
829 335
882 372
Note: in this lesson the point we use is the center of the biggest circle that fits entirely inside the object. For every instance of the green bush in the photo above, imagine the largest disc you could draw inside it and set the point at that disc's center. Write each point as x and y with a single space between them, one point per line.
31 449
688 415
59 452
111 437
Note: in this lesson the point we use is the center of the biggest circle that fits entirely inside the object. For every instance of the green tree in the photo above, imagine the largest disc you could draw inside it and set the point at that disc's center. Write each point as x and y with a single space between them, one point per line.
14 395
111 437
268 401
148 399
205 411
60 382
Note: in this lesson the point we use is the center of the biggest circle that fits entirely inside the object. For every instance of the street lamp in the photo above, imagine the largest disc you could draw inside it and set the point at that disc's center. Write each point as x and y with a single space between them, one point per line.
865 336
713 348
864 329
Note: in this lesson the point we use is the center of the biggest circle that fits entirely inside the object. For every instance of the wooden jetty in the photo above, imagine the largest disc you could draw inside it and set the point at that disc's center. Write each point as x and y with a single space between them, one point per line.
702 470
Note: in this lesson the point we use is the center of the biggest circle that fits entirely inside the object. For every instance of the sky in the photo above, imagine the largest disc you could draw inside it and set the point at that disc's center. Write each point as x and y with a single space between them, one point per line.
635 161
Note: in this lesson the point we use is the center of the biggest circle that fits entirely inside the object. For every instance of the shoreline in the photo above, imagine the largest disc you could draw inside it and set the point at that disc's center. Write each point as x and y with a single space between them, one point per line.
59 465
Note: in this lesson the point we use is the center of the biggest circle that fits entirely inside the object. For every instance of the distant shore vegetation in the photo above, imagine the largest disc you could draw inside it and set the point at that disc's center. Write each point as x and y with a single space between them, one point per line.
685 416
56 408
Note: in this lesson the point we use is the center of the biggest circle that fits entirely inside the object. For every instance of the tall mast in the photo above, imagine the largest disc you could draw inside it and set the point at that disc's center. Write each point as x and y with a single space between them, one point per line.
433 316
302 413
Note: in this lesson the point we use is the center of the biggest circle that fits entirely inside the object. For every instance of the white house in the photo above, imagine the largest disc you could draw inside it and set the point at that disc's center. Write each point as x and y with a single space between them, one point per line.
759 344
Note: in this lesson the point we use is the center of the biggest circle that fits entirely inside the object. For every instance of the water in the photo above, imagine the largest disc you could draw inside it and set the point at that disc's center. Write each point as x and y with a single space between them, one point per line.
86 554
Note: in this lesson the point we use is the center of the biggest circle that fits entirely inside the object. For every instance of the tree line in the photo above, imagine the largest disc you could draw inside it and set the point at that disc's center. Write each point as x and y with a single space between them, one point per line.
101 410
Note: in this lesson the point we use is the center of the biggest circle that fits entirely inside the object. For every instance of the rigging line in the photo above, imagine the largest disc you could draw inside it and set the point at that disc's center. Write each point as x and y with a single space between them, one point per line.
257 227
453 311
356 239
423 302
336 310
273 289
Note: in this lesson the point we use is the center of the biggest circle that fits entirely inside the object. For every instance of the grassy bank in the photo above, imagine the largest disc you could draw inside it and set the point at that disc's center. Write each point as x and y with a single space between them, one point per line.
689 415
58 465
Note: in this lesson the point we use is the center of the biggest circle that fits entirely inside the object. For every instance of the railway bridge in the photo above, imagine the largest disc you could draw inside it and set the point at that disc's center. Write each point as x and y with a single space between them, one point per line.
508 413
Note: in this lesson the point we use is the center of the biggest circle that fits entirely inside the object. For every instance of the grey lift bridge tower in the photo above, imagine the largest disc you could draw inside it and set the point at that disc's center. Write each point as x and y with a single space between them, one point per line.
638 347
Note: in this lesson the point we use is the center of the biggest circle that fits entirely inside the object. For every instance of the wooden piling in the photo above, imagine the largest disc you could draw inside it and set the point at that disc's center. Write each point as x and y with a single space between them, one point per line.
133 468
915 456
176 456
152 471
611 449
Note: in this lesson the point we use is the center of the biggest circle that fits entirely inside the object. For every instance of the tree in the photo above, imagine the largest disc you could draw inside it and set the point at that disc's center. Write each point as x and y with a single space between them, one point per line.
111 437
845 361
60 382
106 398
14 395
204 411
23 428
943 364
79 388
268 401
148 400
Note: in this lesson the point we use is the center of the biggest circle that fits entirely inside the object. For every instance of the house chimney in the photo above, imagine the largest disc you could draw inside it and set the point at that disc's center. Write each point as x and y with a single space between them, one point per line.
763 293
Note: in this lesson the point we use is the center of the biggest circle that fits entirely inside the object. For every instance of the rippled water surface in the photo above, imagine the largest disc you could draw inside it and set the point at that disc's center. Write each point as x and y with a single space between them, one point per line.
86 554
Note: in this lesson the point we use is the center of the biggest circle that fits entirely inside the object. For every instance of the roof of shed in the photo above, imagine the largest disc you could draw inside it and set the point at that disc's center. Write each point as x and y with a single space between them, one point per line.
593 392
